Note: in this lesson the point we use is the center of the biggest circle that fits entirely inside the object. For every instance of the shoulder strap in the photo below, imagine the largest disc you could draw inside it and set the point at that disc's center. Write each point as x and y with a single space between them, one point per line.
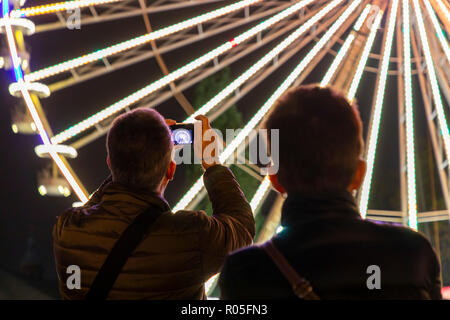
122 250
301 287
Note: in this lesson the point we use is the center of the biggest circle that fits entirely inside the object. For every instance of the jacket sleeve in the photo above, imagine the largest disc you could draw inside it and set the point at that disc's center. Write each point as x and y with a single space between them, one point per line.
231 226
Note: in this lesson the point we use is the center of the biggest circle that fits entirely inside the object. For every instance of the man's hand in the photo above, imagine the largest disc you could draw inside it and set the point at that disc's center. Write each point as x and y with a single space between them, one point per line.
213 158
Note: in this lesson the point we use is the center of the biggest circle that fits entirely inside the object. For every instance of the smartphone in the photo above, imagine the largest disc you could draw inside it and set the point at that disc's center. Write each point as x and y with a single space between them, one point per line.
182 133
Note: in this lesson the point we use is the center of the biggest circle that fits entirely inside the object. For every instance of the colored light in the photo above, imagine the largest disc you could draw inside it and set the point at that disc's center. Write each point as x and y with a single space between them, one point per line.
345 47
433 79
15 89
365 55
31 107
409 119
376 118
211 284
55 7
440 34
260 193
133 98
43 150
262 62
234 144
25 24
126 45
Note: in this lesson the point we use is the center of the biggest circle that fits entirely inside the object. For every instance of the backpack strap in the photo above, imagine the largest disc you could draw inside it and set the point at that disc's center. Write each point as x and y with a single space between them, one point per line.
122 250
301 287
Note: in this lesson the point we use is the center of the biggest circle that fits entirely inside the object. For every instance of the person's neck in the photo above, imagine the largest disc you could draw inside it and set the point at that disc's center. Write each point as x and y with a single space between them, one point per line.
305 205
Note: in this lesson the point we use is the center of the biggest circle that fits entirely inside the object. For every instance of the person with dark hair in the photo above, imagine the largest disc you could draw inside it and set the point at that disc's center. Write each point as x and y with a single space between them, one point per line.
125 243
325 249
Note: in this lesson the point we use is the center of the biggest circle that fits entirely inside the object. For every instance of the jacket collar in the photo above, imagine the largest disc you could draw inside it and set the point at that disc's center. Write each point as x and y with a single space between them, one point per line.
302 207
118 198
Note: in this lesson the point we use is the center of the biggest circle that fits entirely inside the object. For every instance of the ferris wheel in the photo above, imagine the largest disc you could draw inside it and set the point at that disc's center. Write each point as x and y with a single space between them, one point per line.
414 46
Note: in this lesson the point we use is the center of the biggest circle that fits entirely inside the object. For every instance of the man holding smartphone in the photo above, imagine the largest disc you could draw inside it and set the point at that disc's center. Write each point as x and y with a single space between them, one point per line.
126 241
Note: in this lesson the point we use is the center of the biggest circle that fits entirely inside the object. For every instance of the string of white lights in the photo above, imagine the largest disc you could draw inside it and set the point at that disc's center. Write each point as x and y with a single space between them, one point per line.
134 42
265 185
55 7
365 55
234 144
345 47
433 79
409 119
439 32
262 62
444 9
32 109
379 100
136 96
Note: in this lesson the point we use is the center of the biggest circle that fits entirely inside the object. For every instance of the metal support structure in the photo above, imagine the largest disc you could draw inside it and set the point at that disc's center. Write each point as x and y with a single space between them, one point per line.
272 222
165 45
118 10
401 124
436 139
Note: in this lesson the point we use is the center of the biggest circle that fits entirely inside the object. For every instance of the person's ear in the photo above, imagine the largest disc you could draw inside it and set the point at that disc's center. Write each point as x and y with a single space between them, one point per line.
171 170
276 184
358 178
108 162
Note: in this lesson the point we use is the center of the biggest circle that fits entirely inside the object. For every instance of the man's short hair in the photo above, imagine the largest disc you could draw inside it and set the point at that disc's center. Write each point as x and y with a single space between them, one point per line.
139 146
320 139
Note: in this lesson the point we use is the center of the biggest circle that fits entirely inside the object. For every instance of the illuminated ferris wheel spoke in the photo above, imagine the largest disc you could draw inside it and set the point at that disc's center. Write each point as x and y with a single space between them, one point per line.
138 95
345 47
433 79
132 43
231 147
409 119
56 7
262 62
439 32
444 8
365 55
32 109
378 107
264 187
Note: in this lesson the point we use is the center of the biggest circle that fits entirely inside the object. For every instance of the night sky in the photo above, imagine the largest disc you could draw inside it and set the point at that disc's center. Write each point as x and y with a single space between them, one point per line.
24 211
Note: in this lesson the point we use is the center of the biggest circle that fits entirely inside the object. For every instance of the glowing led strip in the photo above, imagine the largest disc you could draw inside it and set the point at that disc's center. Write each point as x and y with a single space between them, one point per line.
376 119
129 100
365 55
228 151
439 32
126 45
433 79
27 25
260 193
43 150
254 203
344 49
30 105
211 284
262 62
443 8
54 7
411 171
265 185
